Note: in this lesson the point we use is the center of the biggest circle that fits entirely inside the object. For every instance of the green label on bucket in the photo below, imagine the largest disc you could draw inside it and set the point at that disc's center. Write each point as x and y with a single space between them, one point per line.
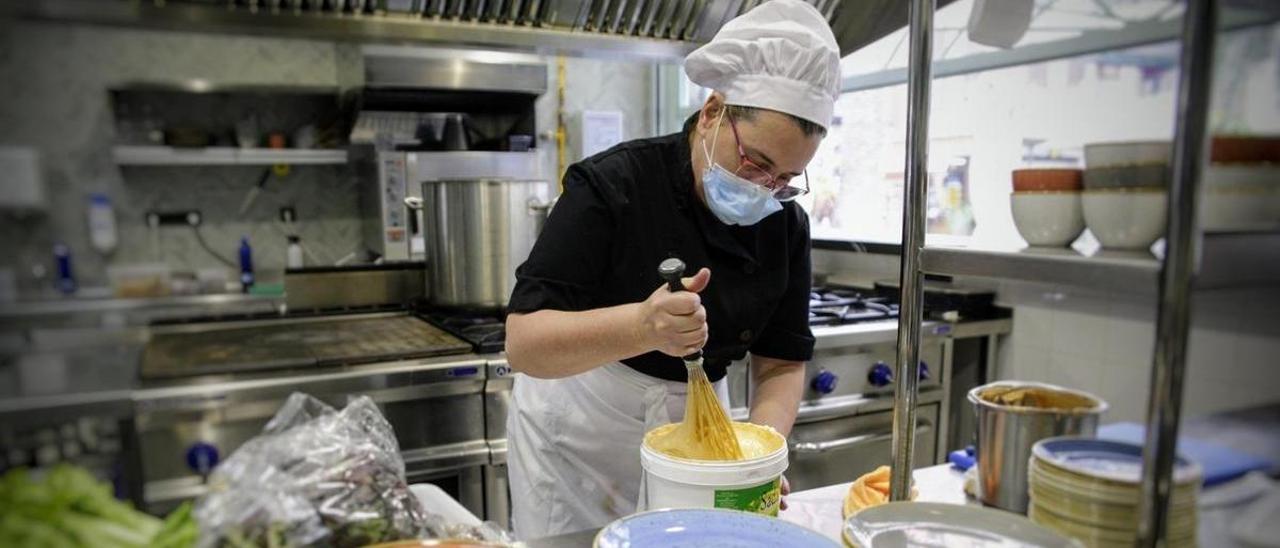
760 499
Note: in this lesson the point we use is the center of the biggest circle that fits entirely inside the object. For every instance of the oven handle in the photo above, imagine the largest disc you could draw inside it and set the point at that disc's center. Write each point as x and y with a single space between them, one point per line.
811 447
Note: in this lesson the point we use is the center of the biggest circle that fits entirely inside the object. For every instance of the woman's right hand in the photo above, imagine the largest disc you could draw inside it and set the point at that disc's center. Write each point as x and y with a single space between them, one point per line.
676 323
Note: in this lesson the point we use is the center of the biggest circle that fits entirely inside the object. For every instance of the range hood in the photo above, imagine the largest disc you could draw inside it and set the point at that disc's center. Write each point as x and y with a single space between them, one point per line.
658 29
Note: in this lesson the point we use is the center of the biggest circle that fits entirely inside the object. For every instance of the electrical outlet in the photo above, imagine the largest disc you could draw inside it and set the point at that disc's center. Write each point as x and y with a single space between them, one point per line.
190 217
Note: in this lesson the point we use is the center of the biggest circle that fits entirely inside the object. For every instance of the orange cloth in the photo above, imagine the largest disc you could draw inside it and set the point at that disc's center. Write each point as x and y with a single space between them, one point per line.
871 489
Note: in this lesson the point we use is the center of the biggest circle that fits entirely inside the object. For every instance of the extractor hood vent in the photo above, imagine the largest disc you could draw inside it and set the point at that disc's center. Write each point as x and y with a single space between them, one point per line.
647 28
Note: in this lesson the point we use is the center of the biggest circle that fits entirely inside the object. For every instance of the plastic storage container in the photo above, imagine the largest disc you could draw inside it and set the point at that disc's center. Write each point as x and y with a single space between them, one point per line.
752 485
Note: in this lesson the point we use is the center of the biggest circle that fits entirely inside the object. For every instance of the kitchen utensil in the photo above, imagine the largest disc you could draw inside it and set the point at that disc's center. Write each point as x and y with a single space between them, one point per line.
455 133
903 524
1047 218
1007 429
707 527
1046 179
1127 153
1125 218
1244 149
476 232
1136 176
254 191
707 423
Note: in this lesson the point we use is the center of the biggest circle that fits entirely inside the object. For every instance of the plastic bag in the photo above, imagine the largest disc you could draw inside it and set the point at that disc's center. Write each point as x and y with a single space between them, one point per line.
314 477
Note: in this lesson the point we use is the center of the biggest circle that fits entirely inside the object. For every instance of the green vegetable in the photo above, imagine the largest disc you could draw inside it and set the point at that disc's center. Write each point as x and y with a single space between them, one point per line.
69 507
178 531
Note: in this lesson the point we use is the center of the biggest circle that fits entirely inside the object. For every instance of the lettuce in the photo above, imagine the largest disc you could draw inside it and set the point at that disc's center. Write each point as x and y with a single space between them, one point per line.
69 507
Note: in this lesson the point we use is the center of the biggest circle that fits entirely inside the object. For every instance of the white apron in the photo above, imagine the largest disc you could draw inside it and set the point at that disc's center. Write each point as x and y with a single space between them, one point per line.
574 445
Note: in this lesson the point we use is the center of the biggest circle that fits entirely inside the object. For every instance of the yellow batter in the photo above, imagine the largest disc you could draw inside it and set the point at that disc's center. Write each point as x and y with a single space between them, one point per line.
1040 398
755 440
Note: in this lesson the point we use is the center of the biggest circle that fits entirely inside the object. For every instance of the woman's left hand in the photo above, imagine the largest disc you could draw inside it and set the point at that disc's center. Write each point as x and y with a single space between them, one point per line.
786 490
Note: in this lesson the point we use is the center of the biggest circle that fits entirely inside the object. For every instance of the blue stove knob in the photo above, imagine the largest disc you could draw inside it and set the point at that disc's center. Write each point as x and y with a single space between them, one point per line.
824 382
202 457
924 371
880 375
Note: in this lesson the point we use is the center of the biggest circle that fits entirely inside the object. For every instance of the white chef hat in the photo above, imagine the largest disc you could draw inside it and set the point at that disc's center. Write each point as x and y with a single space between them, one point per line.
781 56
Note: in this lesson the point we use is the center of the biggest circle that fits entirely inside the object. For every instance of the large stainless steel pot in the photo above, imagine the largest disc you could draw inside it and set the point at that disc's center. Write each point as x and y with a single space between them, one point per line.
477 231
1006 434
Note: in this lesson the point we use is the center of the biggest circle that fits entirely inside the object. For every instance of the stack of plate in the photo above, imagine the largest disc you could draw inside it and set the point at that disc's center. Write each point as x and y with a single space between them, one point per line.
1090 489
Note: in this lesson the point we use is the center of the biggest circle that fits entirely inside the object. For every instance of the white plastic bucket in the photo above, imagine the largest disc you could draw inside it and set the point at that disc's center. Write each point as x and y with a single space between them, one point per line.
753 485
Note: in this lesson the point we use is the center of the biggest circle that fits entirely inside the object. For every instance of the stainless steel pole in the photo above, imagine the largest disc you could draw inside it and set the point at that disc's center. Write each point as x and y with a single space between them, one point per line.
1177 275
920 58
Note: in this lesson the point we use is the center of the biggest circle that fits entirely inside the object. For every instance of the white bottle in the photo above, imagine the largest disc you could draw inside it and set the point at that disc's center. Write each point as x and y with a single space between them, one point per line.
102 224
293 253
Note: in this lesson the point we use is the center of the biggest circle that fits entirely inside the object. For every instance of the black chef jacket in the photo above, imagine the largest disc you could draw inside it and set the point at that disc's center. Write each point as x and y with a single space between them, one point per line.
625 210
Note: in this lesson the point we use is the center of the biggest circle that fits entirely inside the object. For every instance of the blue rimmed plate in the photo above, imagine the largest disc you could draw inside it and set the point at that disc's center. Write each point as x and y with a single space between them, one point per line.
1105 459
699 527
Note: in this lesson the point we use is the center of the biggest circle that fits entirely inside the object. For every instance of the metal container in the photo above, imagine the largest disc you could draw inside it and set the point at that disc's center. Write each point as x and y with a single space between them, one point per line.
477 232
1007 432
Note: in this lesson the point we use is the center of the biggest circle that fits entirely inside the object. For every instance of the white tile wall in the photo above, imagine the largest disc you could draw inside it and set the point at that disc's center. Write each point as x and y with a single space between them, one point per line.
55 98
1084 343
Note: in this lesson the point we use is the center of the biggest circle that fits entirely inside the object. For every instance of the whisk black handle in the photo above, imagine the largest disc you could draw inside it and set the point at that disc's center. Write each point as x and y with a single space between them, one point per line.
672 270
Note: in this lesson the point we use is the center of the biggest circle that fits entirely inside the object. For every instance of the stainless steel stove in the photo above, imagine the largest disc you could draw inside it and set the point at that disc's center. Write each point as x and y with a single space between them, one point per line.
298 342
207 387
844 425
839 306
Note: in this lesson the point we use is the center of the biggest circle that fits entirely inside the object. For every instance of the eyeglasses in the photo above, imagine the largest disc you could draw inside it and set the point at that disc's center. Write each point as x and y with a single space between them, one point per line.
782 191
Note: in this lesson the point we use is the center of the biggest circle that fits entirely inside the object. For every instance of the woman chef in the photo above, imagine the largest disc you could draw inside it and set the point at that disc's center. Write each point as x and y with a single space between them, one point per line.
591 326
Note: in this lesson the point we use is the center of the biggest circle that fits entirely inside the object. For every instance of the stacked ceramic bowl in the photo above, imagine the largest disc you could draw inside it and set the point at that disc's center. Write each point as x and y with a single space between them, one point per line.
1125 192
1046 206
1241 188
1090 489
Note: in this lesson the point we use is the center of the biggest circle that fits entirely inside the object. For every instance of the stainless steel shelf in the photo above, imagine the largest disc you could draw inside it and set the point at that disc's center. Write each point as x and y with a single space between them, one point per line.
127 155
1244 259
75 306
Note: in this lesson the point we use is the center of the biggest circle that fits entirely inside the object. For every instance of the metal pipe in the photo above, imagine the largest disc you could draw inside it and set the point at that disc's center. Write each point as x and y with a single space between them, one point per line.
906 377
1178 272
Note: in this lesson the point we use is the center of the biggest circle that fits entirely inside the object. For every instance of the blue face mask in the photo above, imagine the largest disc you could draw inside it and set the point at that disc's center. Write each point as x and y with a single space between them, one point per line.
734 200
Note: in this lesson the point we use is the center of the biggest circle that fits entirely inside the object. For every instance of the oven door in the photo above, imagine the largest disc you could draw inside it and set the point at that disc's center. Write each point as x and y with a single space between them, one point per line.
412 398
458 469
838 450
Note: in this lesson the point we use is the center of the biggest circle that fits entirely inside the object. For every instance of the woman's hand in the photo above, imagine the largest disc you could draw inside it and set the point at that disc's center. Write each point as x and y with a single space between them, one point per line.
786 490
676 323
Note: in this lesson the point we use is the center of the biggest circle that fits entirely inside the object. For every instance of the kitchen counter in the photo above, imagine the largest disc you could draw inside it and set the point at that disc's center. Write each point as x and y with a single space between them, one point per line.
818 509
